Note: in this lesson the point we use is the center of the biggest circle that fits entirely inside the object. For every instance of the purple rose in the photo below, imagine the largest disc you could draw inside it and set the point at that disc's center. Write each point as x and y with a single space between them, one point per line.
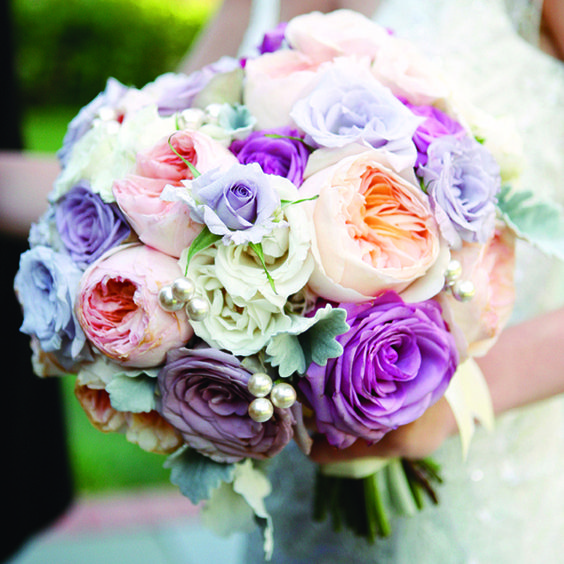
436 124
273 40
203 394
462 180
110 98
88 227
176 92
238 203
398 358
350 107
284 155
46 285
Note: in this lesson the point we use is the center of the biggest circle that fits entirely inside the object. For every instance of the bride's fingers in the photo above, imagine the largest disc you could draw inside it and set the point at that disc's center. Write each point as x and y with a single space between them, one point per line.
416 440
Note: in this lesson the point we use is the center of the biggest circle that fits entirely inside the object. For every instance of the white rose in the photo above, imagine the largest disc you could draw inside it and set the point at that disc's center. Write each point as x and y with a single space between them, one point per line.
286 252
108 151
242 326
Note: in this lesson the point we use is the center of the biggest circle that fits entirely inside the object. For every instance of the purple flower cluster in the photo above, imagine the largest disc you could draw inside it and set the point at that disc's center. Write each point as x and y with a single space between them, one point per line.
278 151
274 39
436 124
203 394
398 358
462 180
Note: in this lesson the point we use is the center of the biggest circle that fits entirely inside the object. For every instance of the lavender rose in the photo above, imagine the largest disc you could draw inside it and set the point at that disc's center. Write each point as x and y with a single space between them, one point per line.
282 154
88 227
203 394
175 92
239 204
349 106
46 285
436 124
398 359
462 180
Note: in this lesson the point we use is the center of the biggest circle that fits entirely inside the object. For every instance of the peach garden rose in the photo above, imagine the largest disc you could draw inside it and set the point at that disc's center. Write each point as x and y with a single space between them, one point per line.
373 230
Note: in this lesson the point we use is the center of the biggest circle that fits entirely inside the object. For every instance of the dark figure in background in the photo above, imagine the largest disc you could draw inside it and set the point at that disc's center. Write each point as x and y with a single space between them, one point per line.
36 477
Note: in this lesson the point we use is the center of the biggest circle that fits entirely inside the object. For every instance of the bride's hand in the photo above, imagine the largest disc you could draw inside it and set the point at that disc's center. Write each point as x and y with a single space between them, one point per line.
416 440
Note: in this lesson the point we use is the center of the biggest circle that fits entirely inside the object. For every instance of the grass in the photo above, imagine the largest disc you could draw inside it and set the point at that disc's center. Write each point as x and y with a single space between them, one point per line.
45 127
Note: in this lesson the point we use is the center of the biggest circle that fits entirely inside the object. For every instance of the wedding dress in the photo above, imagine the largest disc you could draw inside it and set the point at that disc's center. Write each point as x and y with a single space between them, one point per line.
505 503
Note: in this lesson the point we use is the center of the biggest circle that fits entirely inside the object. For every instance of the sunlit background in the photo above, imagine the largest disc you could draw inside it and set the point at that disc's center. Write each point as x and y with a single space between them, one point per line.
65 52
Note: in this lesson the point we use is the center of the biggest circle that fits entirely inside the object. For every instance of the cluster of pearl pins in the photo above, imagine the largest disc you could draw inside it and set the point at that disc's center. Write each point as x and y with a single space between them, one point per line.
462 290
282 395
181 293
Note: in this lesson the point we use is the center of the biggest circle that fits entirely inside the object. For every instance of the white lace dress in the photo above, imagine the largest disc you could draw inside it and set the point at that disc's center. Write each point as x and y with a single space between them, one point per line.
505 504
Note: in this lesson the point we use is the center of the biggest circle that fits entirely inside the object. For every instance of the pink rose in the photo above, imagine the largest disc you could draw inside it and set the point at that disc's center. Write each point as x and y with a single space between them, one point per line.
373 231
167 226
273 84
490 267
322 37
119 311
200 150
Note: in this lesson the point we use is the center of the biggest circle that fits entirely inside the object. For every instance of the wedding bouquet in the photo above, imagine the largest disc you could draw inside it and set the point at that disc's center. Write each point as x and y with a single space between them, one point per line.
320 237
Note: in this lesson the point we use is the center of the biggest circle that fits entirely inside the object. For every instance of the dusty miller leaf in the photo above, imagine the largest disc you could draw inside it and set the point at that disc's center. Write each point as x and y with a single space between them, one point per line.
197 475
136 395
541 223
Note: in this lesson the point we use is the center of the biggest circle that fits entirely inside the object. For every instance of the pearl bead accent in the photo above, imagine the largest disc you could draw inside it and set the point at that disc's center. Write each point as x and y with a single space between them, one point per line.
260 384
463 290
283 395
167 300
453 272
261 410
183 289
197 309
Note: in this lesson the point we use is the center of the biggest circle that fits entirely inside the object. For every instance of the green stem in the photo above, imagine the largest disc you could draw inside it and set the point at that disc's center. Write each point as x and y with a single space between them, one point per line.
400 490
376 515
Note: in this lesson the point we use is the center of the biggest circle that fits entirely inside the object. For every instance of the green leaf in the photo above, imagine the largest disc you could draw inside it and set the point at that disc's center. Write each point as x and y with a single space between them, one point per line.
286 353
293 202
541 223
197 475
319 342
190 166
203 240
257 248
309 339
136 395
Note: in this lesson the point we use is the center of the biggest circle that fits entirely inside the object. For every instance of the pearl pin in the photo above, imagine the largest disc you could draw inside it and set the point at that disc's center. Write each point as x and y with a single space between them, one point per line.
167 300
463 290
197 309
283 395
260 384
261 410
183 289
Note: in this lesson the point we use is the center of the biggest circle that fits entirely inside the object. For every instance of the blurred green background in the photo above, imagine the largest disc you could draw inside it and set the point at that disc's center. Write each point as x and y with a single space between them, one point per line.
65 51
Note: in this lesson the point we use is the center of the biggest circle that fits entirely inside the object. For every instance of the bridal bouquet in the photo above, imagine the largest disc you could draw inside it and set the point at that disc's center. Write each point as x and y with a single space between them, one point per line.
320 236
